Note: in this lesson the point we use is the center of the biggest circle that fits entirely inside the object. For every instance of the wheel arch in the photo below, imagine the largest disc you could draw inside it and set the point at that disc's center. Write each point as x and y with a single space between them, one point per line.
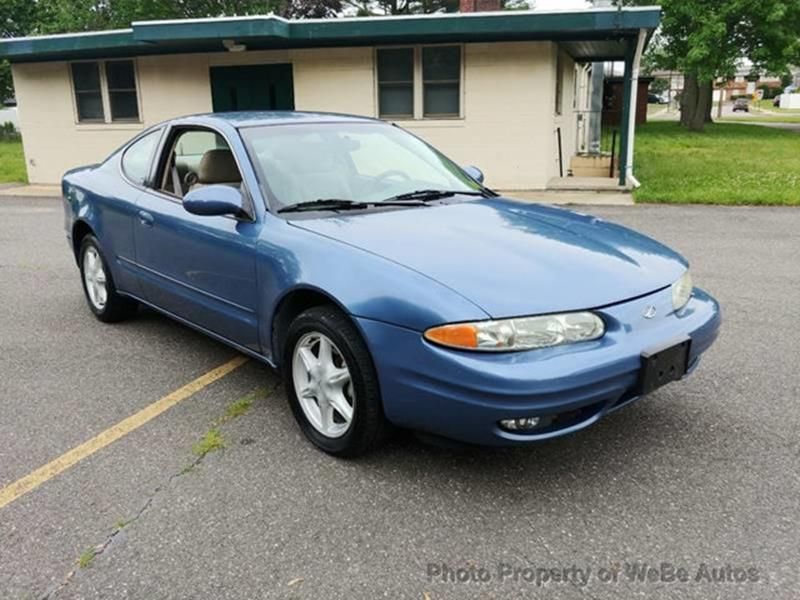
292 303
80 229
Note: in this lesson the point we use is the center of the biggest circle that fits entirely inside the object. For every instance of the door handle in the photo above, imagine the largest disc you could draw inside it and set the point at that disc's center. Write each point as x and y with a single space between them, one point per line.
145 218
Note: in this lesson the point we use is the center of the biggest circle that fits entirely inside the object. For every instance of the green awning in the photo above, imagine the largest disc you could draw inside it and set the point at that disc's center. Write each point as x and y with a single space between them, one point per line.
591 34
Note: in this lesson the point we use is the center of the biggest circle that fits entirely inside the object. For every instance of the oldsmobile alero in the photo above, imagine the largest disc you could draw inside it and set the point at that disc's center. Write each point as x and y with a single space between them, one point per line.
389 285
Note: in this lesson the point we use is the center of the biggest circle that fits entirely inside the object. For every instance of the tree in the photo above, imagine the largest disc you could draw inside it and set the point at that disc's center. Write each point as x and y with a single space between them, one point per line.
19 17
659 86
707 39
365 8
80 15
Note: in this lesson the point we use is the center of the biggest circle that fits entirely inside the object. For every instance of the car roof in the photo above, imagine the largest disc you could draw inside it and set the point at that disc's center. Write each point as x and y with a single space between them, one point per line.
276 117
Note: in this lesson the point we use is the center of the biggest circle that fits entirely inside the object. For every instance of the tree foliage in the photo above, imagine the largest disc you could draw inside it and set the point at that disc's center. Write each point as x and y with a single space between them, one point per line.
80 15
707 39
413 7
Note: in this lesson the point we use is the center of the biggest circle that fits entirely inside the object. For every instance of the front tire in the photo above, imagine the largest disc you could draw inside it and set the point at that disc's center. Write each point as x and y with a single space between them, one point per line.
98 285
331 383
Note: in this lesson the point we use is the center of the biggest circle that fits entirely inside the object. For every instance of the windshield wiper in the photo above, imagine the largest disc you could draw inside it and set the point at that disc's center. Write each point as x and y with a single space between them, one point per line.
341 204
430 195
323 204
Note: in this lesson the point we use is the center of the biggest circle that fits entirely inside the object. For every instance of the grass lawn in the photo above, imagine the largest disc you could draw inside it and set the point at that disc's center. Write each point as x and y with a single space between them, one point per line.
767 105
785 117
727 164
12 162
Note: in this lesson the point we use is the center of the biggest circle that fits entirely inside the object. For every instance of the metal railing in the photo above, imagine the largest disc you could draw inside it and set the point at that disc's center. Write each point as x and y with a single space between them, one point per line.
592 136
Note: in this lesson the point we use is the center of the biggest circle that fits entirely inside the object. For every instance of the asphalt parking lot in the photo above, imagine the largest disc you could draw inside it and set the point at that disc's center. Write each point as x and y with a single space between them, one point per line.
702 476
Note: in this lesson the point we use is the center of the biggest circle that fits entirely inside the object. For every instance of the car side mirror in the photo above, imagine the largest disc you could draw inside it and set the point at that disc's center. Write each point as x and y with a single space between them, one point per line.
475 173
215 200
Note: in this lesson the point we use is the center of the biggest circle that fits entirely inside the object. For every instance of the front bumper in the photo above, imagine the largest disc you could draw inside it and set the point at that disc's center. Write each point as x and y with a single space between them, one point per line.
462 395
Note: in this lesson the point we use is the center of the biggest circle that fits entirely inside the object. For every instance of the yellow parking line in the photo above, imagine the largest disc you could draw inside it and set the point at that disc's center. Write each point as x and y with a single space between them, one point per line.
44 473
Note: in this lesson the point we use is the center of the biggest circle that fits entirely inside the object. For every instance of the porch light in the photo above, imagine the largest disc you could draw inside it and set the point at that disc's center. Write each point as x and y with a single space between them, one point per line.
232 46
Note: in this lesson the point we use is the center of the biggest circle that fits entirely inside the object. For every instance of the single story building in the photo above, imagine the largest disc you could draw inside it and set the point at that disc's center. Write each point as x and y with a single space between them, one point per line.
500 89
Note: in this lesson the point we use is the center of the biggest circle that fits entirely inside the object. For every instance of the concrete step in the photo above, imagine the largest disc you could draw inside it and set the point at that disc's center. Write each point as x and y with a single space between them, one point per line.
588 184
592 161
592 172
584 165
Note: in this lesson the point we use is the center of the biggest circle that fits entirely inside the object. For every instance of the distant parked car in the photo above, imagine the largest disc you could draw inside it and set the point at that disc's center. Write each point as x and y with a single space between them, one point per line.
741 104
655 99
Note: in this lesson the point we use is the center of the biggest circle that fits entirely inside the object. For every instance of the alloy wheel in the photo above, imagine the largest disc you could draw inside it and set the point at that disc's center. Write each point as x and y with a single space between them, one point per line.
323 384
94 278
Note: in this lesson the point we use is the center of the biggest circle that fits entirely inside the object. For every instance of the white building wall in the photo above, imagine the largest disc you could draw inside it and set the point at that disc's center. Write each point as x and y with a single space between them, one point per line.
507 129
790 101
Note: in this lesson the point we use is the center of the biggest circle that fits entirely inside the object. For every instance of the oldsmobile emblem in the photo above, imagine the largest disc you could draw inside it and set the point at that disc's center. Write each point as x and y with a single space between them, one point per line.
649 312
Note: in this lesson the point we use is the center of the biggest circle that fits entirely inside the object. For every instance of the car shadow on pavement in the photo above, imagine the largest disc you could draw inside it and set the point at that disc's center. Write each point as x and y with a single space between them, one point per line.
655 430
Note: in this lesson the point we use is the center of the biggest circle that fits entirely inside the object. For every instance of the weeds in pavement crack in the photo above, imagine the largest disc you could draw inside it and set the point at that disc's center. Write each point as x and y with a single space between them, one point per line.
87 557
211 441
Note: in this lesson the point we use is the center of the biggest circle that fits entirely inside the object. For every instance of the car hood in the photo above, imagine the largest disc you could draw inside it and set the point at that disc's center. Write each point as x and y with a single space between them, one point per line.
510 258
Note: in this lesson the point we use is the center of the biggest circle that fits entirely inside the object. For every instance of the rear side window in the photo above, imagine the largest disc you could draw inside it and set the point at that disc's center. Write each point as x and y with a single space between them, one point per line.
138 157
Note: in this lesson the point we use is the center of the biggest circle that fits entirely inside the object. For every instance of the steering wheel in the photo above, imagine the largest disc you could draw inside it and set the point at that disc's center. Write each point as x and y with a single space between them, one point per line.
392 173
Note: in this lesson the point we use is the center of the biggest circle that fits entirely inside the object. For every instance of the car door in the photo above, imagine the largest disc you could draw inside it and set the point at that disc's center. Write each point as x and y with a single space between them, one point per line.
199 268
114 206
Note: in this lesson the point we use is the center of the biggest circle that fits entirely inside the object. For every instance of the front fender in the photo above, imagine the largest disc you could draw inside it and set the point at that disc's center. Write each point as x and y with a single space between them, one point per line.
363 284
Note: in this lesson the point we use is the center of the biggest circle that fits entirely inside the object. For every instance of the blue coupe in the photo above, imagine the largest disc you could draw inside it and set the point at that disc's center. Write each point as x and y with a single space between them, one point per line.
389 285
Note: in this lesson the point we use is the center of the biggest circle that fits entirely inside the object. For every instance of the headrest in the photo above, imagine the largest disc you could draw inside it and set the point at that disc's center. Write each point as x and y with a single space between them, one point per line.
218 166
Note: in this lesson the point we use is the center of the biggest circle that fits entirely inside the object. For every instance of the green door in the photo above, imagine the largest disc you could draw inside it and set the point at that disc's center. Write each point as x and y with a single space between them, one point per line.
252 87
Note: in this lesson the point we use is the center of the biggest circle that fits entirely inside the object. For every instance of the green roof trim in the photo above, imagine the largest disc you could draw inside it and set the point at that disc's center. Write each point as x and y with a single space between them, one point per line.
610 26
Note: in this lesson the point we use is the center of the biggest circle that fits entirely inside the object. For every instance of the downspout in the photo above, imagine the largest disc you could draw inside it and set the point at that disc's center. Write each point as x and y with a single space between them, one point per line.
637 60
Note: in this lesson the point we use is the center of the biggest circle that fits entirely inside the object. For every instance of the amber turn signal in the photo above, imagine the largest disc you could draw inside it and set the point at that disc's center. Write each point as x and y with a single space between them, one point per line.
458 335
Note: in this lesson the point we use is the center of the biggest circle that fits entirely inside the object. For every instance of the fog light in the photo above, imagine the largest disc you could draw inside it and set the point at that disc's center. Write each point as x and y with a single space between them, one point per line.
521 424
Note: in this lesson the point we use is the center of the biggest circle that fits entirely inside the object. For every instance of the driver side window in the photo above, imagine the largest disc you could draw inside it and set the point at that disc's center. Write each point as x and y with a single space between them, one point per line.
199 157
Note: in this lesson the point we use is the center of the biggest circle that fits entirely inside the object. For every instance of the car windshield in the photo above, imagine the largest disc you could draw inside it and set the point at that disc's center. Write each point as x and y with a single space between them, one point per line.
359 162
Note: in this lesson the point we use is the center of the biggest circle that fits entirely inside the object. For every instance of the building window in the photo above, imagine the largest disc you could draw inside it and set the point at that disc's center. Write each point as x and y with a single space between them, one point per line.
122 99
105 91
419 82
396 82
441 81
88 91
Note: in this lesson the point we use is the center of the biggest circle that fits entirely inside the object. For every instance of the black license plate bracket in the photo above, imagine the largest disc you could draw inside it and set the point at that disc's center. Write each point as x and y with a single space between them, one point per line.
663 366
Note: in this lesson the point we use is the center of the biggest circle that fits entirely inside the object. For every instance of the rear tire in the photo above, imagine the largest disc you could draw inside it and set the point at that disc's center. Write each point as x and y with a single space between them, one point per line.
331 383
98 285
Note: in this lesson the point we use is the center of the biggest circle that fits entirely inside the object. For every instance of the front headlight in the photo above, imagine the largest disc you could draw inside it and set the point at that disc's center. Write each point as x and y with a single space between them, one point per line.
525 333
682 291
